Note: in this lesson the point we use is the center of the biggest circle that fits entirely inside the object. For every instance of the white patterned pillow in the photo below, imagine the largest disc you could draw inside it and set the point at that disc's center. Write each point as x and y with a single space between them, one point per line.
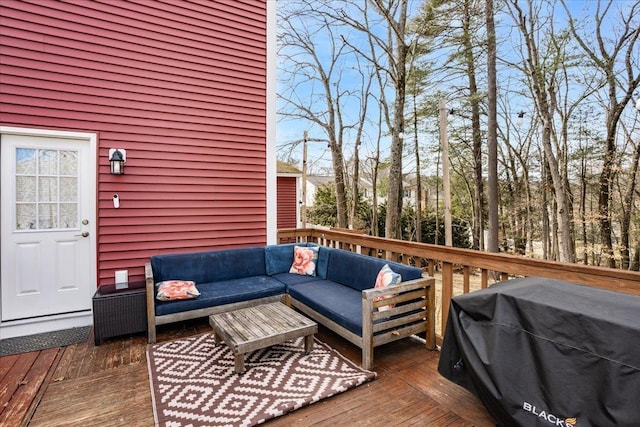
386 277
304 260
171 290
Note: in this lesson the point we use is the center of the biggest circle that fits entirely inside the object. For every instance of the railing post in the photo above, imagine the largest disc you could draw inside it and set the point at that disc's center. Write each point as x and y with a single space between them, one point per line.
466 271
484 280
430 335
447 291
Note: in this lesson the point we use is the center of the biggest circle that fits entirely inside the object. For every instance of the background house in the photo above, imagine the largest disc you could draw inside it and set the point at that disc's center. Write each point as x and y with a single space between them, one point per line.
313 183
186 89
289 195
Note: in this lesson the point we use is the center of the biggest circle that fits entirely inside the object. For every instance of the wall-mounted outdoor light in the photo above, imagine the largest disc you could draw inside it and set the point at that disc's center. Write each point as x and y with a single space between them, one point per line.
117 158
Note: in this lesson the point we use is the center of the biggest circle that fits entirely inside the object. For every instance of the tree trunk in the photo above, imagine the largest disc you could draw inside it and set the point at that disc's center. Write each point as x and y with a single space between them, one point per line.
394 201
583 207
628 208
635 265
341 199
492 134
355 189
374 195
418 176
545 211
476 134
604 195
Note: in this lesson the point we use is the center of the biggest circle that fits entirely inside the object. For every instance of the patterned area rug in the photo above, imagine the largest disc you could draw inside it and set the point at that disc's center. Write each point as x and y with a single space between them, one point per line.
193 382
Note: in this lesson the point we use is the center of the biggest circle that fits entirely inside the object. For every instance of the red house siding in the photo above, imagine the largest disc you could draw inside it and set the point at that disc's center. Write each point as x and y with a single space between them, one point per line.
180 85
287 202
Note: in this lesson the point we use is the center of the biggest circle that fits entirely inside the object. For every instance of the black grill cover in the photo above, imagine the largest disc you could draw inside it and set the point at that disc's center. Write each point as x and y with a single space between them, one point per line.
540 352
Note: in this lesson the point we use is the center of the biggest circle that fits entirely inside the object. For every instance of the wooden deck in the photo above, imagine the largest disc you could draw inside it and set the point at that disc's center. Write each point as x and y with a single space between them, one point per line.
107 385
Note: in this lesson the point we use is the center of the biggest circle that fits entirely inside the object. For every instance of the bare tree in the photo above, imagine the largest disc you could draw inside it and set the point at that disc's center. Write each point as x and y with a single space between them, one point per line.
384 23
607 57
367 81
372 166
416 148
627 202
301 29
516 160
454 29
540 68
427 27
394 14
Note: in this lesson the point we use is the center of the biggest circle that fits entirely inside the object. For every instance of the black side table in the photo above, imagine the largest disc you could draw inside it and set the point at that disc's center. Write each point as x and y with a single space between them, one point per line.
119 311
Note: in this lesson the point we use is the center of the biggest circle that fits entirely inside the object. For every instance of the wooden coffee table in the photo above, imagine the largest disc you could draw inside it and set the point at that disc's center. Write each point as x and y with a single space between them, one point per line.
253 328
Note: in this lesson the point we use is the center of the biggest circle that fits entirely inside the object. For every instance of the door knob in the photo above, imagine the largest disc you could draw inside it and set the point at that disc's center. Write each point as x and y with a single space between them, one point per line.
84 234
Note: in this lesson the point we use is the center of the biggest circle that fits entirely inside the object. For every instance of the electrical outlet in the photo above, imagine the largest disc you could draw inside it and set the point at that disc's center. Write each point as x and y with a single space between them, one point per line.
122 279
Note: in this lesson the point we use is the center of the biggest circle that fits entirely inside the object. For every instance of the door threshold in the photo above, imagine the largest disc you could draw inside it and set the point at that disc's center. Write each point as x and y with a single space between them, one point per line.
23 327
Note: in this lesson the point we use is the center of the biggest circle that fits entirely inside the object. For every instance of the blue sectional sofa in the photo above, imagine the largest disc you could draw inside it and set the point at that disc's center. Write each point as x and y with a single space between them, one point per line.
340 295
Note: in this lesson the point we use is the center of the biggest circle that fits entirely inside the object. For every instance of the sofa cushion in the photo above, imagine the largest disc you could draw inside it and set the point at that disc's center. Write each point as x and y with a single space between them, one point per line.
304 260
224 292
212 266
291 279
339 303
360 271
171 290
278 258
323 261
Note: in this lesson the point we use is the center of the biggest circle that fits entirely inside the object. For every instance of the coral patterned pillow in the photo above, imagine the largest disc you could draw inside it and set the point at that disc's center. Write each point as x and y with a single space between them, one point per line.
171 290
386 277
304 260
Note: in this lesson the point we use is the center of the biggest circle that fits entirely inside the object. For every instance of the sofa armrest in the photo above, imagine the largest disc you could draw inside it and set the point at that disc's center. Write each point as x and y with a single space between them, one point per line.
151 306
417 294
393 290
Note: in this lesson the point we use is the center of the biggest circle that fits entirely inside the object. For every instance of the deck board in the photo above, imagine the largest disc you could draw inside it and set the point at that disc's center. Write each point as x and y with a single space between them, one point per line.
61 369
23 383
427 380
14 377
100 386
7 364
112 397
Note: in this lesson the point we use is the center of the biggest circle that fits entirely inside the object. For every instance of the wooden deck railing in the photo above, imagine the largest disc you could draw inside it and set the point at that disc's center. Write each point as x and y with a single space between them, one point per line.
467 269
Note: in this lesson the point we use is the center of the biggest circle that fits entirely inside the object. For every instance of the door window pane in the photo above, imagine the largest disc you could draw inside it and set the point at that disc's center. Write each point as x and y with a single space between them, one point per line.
68 215
26 216
48 162
46 189
26 161
47 216
69 189
26 188
69 163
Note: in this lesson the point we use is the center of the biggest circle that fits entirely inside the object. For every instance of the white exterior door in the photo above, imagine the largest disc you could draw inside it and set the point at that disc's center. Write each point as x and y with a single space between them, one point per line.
48 223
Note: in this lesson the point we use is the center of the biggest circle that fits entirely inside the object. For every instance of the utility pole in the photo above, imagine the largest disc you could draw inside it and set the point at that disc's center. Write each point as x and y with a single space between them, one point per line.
446 182
304 180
